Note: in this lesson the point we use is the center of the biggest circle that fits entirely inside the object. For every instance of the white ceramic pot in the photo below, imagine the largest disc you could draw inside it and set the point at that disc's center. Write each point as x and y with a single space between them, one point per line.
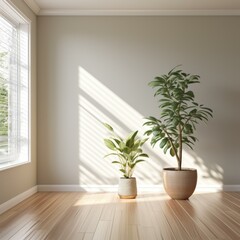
179 185
127 188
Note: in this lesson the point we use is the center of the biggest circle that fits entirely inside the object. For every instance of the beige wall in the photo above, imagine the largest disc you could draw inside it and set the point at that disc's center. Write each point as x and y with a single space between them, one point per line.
19 179
93 69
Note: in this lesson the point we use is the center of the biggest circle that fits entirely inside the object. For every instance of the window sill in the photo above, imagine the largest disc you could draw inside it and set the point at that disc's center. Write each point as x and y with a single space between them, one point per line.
12 164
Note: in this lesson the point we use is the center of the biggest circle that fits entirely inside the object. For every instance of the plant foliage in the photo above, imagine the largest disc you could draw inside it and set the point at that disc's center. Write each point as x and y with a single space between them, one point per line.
128 152
180 113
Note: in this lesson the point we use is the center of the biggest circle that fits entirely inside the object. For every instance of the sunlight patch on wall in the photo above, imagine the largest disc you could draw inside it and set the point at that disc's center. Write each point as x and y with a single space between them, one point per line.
110 101
93 168
99 104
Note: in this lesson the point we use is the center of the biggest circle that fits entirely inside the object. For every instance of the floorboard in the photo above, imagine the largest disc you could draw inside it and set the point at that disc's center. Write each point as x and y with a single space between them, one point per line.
103 216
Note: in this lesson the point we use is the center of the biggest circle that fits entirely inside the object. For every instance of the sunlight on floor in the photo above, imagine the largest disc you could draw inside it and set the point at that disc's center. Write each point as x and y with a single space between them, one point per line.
110 198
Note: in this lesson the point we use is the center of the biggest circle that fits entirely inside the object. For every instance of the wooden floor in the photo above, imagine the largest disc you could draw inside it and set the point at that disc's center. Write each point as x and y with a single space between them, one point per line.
102 216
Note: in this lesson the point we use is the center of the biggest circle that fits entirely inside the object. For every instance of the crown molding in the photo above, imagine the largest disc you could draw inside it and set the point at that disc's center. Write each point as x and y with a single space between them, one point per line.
79 12
33 6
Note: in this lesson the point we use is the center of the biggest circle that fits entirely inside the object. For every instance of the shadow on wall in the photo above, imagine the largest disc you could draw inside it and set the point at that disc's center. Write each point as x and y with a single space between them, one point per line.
210 175
99 104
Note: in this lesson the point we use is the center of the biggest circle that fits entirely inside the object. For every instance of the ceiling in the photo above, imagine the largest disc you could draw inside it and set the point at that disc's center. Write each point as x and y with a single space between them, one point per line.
135 7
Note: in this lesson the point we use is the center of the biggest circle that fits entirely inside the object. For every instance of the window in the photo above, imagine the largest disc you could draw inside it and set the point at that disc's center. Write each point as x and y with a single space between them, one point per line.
14 87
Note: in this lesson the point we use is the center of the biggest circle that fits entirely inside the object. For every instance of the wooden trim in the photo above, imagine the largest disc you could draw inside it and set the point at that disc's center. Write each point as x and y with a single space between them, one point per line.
17 199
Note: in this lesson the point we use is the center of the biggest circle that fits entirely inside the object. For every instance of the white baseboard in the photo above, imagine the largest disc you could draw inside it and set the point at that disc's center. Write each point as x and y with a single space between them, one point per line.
94 188
231 188
17 199
218 188
77 188
147 188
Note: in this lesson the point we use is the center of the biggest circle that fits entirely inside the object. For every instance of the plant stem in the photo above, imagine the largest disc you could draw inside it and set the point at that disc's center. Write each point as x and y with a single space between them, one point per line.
180 140
172 145
180 148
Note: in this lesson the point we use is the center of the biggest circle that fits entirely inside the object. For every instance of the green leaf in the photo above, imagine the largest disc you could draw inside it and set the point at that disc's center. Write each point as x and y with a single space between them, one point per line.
165 104
112 154
188 129
149 123
165 150
194 111
127 150
189 145
190 94
143 141
138 161
143 155
160 79
172 153
108 127
167 146
209 109
134 164
109 144
156 133
136 145
163 142
193 138
172 70
116 162
152 119
130 139
155 83
122 170
122 146
117 141
154 140
148 132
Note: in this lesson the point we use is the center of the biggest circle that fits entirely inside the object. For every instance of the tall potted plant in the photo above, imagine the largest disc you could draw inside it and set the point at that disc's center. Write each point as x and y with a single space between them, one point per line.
179 115
129 153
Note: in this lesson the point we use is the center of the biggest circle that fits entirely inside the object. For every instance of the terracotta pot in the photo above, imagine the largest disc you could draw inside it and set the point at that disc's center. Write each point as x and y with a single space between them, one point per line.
179 185
127 188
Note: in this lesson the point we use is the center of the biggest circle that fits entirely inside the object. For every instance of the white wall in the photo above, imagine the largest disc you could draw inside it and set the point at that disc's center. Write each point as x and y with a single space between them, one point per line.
19 179
93 69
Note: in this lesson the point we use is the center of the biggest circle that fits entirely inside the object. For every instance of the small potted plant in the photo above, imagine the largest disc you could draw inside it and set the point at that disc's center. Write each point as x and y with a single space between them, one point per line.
129 153
179 115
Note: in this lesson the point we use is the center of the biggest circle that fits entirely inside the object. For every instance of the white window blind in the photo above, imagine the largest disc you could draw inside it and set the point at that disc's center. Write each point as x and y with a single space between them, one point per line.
14 87
8 89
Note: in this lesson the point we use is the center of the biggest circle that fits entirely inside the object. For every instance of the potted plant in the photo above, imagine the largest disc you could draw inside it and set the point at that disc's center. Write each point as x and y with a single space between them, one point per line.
179 115
129 153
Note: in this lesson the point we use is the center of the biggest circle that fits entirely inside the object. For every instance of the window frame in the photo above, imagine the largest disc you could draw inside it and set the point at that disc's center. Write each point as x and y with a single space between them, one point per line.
23 25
